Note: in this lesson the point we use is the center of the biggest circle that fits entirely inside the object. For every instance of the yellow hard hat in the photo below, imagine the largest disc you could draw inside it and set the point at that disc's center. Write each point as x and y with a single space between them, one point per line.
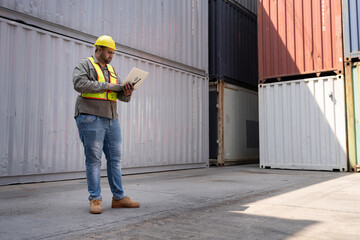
105 41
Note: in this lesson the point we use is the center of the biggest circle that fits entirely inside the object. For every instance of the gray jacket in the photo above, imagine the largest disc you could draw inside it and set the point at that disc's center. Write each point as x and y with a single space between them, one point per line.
85 81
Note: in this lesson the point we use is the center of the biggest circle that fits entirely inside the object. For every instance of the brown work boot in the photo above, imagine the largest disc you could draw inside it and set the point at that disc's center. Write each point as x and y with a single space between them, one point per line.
124 203
95 206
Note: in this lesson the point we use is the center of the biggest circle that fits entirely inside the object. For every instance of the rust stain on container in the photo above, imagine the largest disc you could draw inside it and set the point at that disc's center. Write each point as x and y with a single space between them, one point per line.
221 157
299 37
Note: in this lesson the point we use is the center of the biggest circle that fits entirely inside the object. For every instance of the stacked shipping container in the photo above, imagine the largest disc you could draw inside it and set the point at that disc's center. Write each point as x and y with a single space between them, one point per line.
302 124
351 21
352 73
165 125
233 80
301 119
174 30
232 44
299 37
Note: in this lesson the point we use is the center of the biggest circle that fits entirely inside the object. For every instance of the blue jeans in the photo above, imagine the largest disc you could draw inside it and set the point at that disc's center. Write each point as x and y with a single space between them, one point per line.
100 134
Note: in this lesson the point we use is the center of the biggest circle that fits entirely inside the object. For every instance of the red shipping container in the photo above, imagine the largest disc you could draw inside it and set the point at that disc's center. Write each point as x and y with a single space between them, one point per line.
299 37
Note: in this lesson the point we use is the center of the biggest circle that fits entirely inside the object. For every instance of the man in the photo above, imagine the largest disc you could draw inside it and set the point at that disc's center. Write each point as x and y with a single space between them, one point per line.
96 118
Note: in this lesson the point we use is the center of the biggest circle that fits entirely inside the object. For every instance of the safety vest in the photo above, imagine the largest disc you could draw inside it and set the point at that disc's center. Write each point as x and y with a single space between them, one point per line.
107 95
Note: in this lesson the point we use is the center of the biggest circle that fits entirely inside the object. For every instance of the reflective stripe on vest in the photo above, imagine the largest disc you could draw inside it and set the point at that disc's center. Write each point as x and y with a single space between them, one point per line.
107 95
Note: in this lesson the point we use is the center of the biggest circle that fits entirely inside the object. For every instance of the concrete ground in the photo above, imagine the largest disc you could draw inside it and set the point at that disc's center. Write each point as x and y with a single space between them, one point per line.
239 202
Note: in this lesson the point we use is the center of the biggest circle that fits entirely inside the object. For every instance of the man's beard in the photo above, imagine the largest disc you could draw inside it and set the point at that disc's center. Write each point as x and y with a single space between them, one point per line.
102 57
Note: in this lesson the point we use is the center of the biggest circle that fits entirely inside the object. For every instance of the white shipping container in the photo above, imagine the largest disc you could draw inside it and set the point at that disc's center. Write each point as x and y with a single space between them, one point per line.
240 123
164 127
175 30
302 124
236 122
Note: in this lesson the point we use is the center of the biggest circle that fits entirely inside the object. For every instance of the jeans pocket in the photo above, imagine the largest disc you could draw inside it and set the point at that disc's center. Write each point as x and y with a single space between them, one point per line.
84 119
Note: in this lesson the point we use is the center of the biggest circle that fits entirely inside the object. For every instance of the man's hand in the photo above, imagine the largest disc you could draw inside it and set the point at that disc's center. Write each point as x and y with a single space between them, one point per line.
128 89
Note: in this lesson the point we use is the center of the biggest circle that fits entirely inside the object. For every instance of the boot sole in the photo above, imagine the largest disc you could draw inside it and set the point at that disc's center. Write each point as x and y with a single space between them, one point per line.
115 206
96 212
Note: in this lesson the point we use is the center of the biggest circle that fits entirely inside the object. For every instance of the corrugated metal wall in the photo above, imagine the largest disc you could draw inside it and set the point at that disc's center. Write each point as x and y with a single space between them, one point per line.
351 21
232 44
165 124
248 4
176 30
302 124
299 37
